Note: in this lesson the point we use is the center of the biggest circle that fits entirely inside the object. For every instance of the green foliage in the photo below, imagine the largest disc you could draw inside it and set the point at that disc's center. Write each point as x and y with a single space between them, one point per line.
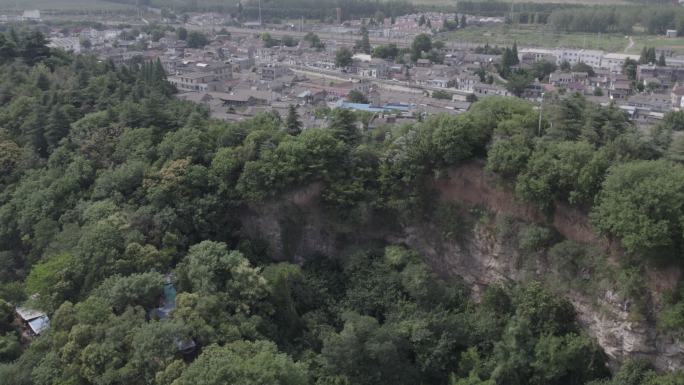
363 45
314 40
243 362
389 51
450 220
292 124
9 347
569 359
672 317
365 352
343 57
641 202
518 82
439 94
356 96
561 171
422 43
143 289
197 40
534 238
54 280
542 69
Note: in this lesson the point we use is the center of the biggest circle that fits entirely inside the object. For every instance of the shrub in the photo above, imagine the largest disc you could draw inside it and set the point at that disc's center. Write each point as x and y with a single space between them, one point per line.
533 238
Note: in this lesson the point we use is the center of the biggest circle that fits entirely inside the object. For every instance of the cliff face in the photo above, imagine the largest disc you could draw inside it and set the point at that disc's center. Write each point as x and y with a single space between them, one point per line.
295 227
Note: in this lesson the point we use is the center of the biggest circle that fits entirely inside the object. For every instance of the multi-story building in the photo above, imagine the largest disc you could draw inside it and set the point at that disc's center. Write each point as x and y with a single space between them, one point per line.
666 76
574 56
197 82
270 72
615 61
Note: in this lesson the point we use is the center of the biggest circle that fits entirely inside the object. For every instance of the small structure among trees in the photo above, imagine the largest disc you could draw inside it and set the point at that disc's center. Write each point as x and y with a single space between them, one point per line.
34 322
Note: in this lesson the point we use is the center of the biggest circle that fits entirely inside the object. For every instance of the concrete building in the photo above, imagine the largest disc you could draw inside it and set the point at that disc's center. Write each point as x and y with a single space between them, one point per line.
614 61
197 82
270 72
70 44
574 56
31 15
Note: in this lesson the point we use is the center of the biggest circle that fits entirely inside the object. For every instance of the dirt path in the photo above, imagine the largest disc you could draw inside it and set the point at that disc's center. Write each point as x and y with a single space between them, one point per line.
630 45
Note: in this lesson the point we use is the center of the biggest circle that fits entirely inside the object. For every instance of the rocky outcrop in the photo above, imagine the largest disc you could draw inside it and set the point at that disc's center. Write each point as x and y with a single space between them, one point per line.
295 226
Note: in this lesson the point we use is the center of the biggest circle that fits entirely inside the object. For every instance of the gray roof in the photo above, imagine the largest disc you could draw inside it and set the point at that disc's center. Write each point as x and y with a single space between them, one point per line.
27 314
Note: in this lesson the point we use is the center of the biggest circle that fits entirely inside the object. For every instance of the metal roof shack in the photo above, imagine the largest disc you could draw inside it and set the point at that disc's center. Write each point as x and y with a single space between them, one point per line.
35 321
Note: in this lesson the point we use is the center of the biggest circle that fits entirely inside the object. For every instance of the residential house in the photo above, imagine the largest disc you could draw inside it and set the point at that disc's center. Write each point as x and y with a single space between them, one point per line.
270 72
197 82
423 63
244 98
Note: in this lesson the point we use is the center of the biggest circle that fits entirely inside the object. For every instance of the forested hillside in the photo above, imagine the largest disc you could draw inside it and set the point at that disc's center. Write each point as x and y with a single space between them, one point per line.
109 186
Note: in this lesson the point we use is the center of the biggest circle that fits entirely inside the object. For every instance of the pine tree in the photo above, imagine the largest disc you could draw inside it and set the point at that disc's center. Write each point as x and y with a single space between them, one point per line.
514 54
651 55
57 127
42 82
292 123
661 60
344 127
365 46
643 58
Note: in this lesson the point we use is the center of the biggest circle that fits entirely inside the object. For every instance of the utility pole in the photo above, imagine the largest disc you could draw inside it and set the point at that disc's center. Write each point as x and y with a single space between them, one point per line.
259 13
541 109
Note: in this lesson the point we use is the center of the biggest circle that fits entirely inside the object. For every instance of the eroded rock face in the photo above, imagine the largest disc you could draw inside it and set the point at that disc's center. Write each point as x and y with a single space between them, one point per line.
295 227
483 261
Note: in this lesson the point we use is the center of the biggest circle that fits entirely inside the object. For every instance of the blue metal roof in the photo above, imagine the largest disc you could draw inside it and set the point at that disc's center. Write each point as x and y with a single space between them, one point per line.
40 324
369 108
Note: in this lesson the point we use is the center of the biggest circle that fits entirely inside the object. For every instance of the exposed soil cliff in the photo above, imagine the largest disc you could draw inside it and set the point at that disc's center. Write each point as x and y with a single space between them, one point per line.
296 227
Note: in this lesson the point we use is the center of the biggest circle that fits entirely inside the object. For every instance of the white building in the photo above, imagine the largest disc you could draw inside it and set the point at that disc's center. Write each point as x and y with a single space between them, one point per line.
574 56
615 61
33 15
72 44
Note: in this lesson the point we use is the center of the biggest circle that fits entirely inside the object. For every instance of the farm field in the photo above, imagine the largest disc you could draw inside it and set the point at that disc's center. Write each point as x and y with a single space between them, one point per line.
63 5
540 36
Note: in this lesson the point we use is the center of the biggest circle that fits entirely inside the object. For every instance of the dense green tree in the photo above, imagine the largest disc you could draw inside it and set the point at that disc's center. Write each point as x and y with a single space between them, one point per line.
292 123
363 45
356 96
542 69
422 43
518 82
243 362
343 57
365 352
343 126
197 40
389 51
629 68
641 203
182 33
661 60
